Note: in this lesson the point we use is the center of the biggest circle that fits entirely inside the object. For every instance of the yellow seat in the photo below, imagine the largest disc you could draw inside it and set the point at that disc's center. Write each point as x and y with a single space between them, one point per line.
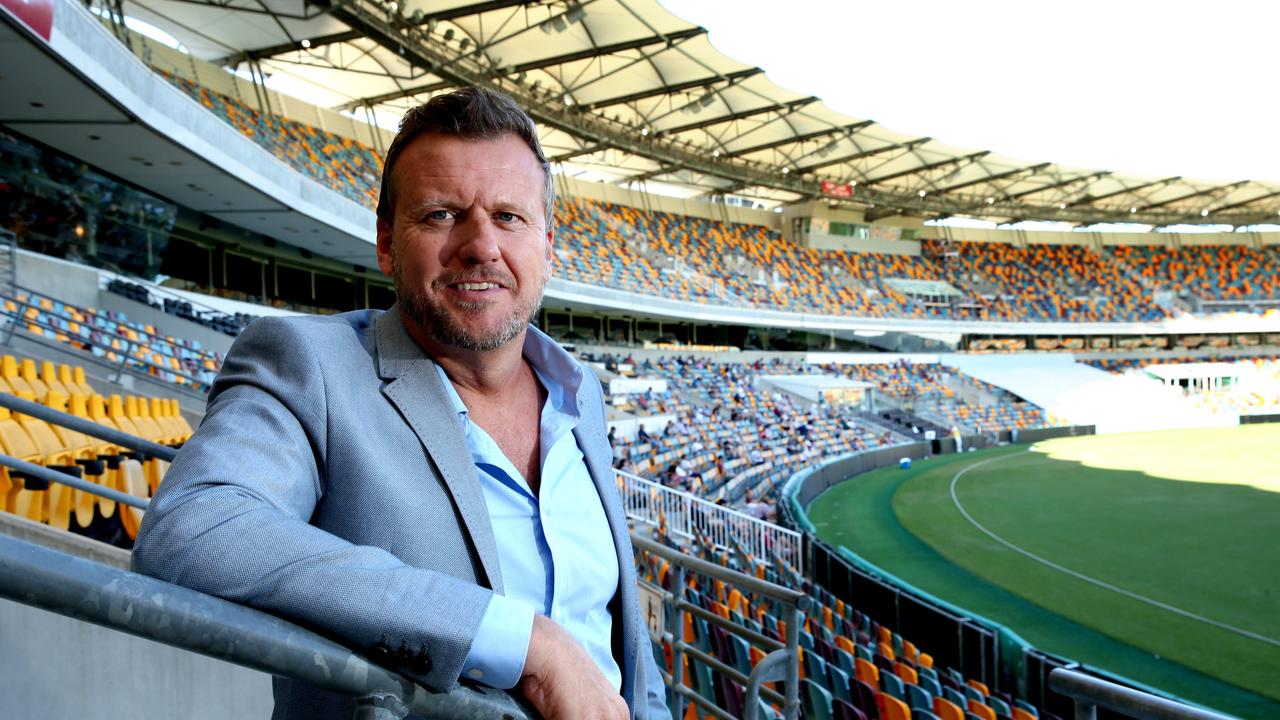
29 373
81 447
981 710
17 443
130 476
49 376
9 369
77 379
59 496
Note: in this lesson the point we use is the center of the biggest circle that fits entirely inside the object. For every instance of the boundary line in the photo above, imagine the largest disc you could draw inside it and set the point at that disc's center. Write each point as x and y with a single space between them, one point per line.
1081 576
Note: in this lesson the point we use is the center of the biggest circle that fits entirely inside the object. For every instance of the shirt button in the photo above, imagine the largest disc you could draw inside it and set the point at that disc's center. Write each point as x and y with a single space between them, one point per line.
475 674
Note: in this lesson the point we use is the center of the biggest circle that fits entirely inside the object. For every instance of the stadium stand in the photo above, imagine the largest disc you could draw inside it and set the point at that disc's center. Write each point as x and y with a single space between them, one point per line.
851 665
1215 272
113 337
712 262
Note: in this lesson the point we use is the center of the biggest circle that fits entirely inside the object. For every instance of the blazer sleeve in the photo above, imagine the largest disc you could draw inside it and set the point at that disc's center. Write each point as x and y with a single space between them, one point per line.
231 520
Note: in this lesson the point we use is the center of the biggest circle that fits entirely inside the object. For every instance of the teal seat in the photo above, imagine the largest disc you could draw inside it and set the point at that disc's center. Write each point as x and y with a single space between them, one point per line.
929 672
956 697
1027 707
839 683
806 640
845 662
1001 707
816 700
893 685
918 714
816 668
703 680
741 654
932 686
918 697
974 694
865 653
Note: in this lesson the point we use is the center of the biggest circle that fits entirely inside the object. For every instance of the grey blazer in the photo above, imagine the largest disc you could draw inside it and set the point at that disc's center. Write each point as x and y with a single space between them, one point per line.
330 482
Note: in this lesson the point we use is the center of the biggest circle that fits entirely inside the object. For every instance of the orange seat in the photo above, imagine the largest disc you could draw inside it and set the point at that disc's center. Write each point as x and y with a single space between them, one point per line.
981 710
947 710
891 708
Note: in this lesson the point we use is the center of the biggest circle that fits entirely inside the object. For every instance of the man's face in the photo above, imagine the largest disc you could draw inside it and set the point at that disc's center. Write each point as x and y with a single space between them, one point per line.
468 245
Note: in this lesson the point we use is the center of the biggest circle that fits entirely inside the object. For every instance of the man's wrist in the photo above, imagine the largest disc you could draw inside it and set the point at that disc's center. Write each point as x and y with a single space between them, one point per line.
500 647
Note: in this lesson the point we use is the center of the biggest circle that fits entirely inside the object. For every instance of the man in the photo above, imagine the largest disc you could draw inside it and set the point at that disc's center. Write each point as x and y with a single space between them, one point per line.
431 484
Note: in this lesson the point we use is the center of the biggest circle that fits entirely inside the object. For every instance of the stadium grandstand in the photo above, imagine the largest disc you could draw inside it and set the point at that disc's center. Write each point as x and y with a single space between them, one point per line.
762 289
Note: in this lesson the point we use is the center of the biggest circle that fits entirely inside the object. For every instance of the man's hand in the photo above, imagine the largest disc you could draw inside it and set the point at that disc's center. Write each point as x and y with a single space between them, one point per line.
562 681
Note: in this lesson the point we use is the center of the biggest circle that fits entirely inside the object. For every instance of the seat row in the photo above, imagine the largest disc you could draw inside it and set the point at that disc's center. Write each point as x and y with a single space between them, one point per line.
850 666
60 448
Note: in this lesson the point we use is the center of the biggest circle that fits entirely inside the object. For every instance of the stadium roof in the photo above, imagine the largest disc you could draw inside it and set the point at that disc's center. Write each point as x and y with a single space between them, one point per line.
629 93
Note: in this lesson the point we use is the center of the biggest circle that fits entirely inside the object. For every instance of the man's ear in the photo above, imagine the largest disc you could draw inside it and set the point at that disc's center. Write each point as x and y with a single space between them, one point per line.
385 247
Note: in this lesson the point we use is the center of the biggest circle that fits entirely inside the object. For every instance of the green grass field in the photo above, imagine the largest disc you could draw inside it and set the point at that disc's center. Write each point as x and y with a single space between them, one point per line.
1152 555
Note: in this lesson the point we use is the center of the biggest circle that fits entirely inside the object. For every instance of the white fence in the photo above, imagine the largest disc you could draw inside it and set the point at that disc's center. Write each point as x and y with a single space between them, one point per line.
646 501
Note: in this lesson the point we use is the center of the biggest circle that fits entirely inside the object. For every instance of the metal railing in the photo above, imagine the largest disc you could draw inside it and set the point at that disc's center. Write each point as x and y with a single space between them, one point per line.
687 515
1089 693
781 663
148 608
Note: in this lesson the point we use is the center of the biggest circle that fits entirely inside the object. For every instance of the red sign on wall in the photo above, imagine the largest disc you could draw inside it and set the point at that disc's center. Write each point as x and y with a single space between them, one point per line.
35 14
836 190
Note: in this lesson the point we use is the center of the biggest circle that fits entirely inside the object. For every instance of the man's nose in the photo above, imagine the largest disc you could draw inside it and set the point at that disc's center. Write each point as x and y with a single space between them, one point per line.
479 240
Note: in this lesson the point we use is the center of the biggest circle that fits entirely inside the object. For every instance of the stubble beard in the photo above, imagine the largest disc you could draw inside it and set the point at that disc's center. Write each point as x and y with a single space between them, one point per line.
448 328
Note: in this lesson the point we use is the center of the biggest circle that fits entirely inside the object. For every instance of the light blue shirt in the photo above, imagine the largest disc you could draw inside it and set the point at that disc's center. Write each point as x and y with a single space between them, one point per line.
555 548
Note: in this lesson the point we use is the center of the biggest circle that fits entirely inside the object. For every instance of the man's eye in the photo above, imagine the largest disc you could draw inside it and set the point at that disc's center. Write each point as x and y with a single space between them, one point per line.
507 217
438 215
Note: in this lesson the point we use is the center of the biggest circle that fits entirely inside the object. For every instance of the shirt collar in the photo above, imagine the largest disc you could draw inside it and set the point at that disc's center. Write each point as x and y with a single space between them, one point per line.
556 369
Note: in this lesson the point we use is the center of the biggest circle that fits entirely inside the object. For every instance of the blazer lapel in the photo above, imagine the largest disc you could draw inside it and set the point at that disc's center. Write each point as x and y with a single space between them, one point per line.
416 389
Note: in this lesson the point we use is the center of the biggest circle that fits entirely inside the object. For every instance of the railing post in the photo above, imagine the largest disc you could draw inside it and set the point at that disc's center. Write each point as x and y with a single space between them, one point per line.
677 643
791 710
1086 710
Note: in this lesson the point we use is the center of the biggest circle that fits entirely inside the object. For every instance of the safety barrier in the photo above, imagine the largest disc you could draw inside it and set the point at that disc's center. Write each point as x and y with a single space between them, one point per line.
1089 693
687 515
782 663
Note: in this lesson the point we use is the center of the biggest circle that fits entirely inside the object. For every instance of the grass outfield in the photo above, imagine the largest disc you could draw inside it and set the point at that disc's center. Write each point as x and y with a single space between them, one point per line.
1199 533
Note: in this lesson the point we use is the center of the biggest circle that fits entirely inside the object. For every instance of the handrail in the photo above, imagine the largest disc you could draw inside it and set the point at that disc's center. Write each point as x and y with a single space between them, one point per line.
682 510
86 427
47 475
780 664
191 620
1089 692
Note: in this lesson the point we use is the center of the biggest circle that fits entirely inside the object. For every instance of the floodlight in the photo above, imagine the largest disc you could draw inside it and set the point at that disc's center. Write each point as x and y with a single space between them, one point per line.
922 193
1204 213
306 43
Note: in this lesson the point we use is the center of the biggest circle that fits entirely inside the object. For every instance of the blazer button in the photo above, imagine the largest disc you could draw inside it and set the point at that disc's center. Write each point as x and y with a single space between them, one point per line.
421 665
380 654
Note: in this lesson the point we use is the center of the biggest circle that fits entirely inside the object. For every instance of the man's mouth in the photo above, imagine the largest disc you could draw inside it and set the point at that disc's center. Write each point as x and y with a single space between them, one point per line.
476 286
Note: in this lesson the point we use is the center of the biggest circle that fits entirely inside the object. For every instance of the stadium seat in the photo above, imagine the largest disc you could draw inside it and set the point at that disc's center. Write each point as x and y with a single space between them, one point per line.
981 710
817 701
947 710
892 708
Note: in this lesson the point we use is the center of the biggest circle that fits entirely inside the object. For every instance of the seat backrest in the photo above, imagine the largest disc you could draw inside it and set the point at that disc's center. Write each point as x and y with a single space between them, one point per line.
9 368
49 374
947 710
15 440
32 376
46 440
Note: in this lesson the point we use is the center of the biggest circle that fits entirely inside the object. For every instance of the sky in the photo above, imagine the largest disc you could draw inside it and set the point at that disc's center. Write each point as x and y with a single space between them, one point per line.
1149 88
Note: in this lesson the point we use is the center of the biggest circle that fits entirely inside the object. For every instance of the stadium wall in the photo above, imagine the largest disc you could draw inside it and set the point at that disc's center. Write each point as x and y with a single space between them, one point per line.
53 666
